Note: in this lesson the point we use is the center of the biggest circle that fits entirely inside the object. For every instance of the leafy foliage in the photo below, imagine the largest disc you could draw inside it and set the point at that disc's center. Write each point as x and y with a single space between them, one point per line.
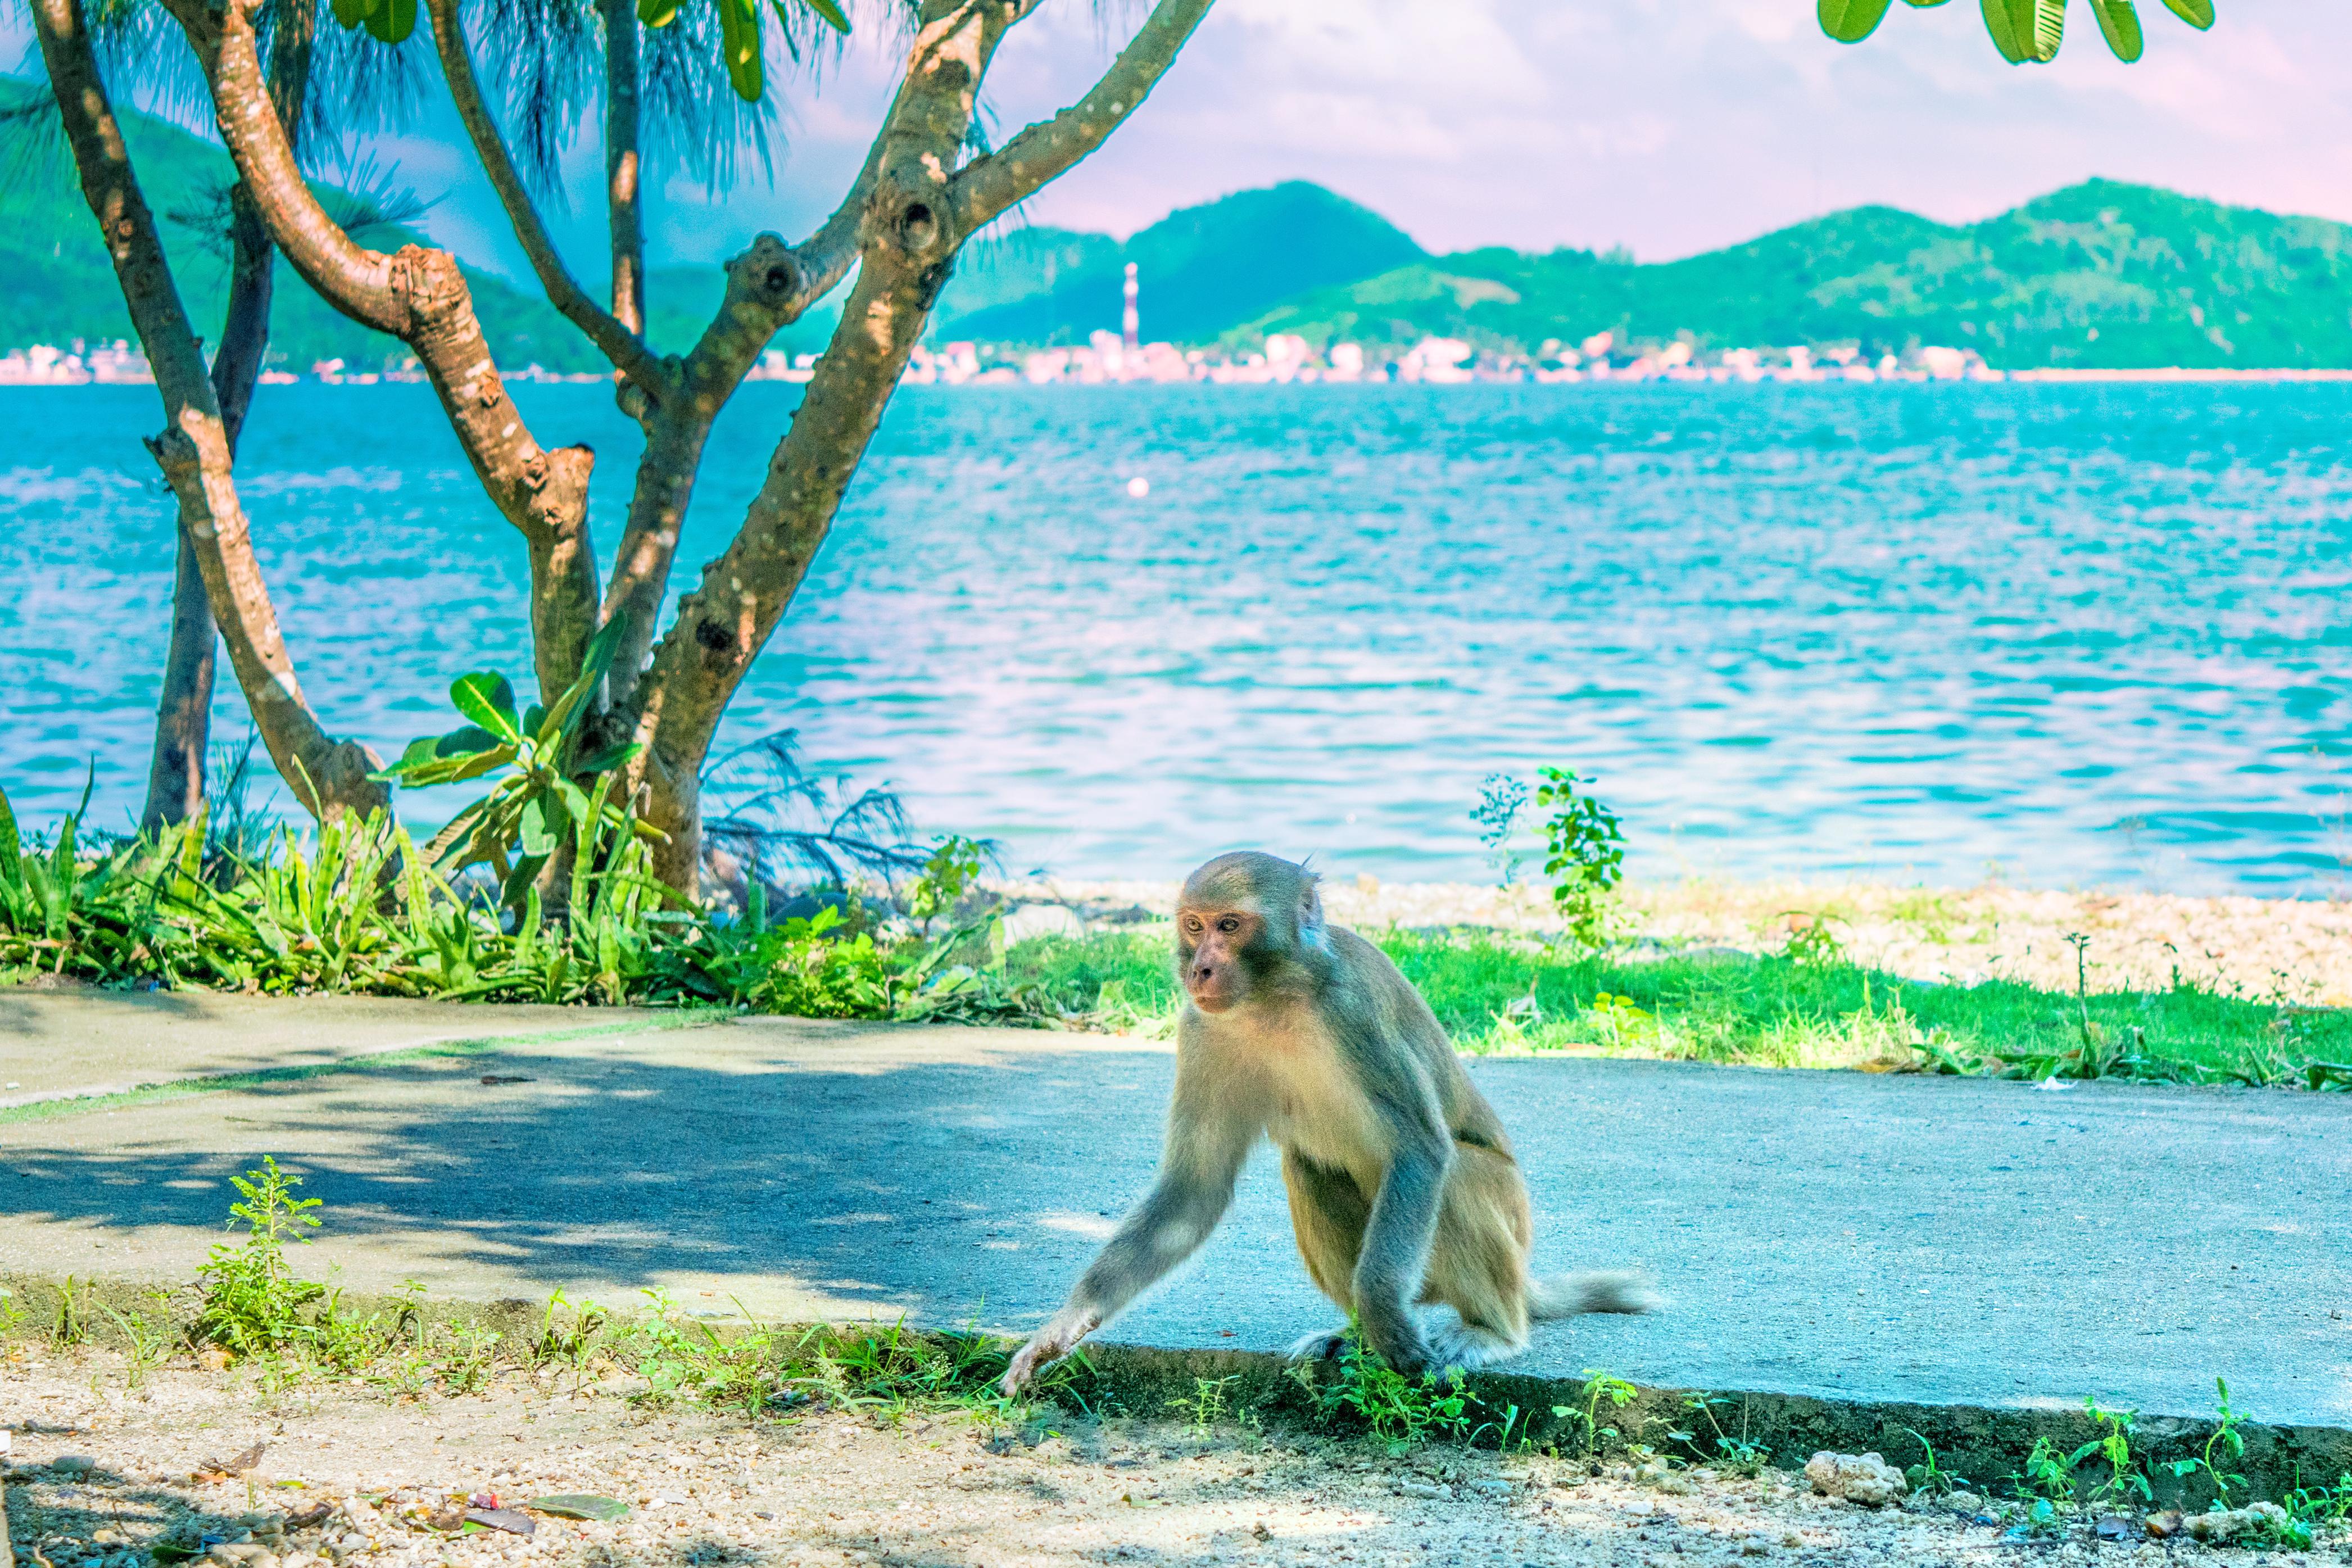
2025 31
253 1303
1501 798
1584 855
1393 1408
553 793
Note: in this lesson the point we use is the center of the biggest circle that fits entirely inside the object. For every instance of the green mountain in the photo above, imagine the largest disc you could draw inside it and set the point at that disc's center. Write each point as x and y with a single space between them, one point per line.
1201 270
2100 275
62 288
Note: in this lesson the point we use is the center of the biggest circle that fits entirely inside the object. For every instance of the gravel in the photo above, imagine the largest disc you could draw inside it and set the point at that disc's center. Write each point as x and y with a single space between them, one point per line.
849 1488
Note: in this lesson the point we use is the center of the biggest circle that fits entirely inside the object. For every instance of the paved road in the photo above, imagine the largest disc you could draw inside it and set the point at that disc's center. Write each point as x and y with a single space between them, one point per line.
1836 1234
62 1044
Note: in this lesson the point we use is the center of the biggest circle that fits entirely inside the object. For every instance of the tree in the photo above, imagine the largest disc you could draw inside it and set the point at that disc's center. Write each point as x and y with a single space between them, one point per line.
175 777
2026 32
924 190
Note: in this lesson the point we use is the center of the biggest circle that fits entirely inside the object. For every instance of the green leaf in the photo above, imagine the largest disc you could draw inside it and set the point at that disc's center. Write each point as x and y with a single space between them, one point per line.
739 44
610 758
575 800
351 13
533 717
2010 24
486 696
538 833
2197 14
1925 4
391 21
597 658
462 753
579 1505
2119 24
657 12
2049 28
12 846
1851 21
450 770
518 887
834 15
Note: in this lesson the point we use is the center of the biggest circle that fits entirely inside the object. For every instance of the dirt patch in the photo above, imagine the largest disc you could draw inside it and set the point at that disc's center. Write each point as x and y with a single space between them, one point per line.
103 1474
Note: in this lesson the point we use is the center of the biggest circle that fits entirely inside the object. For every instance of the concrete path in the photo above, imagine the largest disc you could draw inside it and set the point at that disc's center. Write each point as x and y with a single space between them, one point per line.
67 1044
1937 1240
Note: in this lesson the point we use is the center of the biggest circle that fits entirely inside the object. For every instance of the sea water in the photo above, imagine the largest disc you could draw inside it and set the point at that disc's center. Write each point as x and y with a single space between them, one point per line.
2080 633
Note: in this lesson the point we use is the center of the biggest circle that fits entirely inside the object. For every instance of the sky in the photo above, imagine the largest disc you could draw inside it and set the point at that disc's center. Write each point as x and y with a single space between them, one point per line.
1666 126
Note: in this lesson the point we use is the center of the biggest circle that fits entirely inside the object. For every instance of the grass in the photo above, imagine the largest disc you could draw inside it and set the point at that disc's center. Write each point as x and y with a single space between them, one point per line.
1503 995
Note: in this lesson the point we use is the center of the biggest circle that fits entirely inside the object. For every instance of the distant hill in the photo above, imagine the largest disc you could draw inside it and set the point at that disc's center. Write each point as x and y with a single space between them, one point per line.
1202 269
2100 275
60 286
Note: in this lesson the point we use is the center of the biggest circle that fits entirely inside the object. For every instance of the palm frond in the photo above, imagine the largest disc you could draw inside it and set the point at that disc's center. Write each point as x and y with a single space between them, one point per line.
367 199
694 121
545 61
33 151
358 86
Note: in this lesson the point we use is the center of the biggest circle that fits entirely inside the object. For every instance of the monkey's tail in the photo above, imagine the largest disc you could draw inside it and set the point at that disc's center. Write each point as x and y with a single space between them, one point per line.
1566 1295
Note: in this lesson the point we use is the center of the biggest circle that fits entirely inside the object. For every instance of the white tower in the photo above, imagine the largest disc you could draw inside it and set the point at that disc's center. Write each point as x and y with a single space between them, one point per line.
1131 323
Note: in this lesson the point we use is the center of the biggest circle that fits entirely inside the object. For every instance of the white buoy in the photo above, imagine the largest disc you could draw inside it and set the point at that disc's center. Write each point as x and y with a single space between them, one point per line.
1139 487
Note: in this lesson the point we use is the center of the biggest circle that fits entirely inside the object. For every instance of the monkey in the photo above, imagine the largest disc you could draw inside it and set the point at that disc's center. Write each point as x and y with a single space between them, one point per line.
1402 1186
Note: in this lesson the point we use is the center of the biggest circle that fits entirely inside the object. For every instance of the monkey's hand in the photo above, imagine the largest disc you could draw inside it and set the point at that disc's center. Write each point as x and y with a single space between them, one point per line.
1057 1339
1399 1341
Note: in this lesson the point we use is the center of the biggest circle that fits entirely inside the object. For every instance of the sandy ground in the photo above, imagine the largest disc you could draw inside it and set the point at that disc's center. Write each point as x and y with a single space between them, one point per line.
2271 949
99 1473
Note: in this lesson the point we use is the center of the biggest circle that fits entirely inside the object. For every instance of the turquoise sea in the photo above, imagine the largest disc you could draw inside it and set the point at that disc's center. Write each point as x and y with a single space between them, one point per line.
2091 634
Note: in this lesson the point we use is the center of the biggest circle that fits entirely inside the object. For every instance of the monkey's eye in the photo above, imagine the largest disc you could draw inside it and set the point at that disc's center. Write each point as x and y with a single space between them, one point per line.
1229 924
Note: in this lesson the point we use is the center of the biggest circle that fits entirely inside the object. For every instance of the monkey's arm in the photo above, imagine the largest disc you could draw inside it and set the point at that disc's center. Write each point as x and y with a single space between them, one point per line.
1397 1240
1208 1138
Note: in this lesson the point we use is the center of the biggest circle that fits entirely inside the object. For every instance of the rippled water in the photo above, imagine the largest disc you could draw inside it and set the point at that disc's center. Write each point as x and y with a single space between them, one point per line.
2094 634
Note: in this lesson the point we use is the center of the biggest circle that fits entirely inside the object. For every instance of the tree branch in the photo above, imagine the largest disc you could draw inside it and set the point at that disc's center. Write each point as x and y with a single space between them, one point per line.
908 242
356 280
769 287
326 776
1047 151
618 342
175 774
419 295
624 163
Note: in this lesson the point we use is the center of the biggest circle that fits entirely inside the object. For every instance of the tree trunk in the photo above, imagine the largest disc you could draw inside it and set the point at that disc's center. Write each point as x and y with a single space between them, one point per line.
193 450
175 775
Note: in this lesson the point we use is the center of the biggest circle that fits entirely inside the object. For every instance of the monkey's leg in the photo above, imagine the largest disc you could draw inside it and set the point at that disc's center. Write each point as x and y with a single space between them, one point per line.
1328 1213
1479 1265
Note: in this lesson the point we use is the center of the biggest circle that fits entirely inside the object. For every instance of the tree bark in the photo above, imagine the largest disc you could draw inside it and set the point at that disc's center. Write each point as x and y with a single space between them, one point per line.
326 776
175 774
624 199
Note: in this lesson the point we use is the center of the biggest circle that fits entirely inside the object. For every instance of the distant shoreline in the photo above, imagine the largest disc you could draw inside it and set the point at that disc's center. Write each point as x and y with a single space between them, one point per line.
533 374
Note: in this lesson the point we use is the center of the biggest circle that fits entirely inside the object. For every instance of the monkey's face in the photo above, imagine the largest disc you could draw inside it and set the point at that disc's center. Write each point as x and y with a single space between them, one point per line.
1213 952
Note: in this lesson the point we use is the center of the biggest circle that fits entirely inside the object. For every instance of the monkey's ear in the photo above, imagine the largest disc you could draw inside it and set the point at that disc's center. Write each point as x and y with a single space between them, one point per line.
1310 915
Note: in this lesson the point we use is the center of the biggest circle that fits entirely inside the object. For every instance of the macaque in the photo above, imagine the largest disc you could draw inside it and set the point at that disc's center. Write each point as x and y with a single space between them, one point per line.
1402 1187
